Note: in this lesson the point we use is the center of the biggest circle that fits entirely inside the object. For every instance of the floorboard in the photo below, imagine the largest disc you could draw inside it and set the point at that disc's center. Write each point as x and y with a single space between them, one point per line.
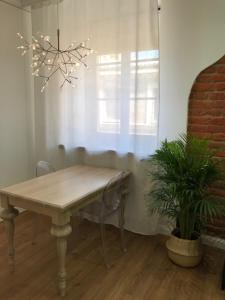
143 273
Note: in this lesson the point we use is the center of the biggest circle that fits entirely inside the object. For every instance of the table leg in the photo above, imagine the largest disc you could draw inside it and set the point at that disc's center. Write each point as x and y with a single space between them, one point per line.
61 232
8 215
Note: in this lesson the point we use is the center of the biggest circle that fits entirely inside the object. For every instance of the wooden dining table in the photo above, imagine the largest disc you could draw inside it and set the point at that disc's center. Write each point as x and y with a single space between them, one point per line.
58 195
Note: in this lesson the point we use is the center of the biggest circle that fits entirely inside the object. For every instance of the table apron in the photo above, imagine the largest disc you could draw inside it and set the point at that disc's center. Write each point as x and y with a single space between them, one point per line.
39 208
48 210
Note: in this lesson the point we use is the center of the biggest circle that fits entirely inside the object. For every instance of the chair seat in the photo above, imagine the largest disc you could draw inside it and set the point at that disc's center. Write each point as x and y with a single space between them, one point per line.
92 211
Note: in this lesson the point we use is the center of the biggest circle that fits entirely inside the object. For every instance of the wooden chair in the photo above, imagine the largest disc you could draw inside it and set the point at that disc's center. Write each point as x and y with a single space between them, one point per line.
111 202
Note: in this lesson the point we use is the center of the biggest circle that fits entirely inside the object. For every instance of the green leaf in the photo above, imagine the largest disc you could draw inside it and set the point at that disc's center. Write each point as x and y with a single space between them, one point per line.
186 168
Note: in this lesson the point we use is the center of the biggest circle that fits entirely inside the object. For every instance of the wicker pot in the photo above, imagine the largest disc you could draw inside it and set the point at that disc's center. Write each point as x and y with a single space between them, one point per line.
184 253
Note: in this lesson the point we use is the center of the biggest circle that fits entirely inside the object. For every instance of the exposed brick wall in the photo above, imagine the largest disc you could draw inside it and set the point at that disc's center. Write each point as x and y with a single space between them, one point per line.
206 119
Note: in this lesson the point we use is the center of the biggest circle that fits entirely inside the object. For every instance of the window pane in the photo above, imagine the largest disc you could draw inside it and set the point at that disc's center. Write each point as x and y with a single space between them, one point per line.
108 80
144 79
109 58
144 71
108 118
143 55
143 117
108 87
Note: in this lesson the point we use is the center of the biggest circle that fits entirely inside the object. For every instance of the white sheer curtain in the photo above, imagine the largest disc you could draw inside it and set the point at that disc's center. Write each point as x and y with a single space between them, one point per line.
113 110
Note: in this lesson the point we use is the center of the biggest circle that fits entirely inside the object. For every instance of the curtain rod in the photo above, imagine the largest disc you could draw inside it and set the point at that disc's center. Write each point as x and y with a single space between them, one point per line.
15 6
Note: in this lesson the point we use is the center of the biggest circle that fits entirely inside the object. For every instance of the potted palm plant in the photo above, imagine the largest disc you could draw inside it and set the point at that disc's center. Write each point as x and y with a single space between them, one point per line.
185 170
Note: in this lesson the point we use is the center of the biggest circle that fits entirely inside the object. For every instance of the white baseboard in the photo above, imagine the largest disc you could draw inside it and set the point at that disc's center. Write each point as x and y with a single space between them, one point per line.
213 241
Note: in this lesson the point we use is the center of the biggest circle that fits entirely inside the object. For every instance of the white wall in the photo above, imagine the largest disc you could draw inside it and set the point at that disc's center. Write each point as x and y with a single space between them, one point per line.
14 152
192 36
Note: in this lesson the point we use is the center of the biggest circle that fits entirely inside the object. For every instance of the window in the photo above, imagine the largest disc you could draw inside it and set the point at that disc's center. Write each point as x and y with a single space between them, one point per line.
138 103
108 83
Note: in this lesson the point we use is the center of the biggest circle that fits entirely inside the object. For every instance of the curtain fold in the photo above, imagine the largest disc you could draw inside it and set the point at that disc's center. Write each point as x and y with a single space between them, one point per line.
110 117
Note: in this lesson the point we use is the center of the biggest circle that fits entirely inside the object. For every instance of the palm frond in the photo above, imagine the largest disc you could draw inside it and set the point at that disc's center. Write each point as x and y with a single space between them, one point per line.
185 170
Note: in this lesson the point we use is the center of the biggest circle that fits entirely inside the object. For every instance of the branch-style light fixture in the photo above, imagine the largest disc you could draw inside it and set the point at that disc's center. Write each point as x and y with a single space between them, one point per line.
48 59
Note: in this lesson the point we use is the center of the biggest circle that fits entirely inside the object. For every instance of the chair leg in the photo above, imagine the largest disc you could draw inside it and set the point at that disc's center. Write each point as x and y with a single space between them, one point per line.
102 229
36 225
76 224
121 225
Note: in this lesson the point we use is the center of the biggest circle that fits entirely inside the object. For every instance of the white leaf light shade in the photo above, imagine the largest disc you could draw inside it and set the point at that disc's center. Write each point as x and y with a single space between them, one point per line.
49 59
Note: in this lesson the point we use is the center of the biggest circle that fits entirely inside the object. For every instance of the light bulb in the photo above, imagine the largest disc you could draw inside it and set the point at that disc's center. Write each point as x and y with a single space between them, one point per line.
35 73
34 39
47 38
35 57
20 35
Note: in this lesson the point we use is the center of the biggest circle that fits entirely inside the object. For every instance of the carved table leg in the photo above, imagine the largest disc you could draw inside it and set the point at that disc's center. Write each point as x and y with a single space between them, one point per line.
8 215
61 232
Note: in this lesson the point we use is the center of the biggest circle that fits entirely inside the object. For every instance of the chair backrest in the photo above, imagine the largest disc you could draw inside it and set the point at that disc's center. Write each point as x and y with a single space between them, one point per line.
43 168
112 192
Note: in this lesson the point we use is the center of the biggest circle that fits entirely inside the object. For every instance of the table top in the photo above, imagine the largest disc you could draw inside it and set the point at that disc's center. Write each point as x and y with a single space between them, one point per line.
63 188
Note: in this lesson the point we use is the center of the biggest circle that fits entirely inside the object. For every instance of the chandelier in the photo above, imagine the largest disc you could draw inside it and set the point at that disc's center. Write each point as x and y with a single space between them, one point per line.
49 59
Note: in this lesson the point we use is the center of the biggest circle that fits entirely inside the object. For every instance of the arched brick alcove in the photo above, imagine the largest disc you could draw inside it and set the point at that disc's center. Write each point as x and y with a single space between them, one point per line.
206 119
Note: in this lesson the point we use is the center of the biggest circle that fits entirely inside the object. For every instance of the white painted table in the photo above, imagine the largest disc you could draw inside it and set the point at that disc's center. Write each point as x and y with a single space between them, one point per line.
57 195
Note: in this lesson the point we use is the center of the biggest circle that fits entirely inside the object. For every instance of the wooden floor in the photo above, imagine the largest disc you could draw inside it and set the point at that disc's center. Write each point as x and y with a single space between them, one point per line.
144 272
